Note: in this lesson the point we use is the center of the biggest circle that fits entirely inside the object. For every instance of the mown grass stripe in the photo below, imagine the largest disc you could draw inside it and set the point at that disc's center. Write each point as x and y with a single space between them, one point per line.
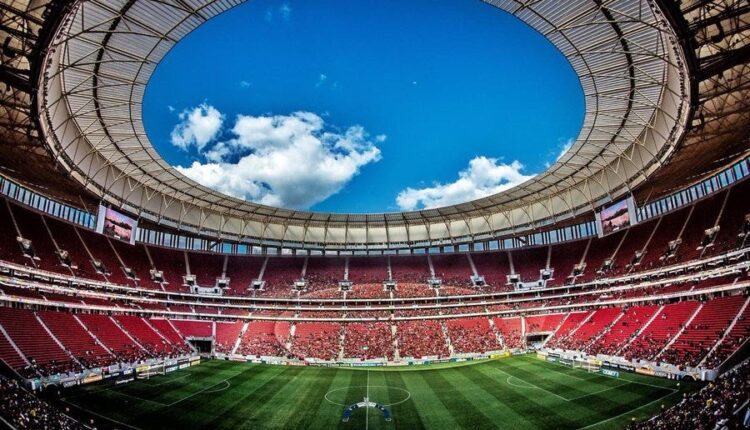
471 396
523 407
405 415
357 421
328 415
428 404
456 401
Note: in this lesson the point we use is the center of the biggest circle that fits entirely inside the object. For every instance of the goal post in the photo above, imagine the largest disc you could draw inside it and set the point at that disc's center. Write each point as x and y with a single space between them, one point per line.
146 372
587 365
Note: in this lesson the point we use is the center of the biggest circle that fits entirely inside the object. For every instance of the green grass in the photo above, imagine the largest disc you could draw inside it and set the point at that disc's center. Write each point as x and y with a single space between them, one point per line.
519 393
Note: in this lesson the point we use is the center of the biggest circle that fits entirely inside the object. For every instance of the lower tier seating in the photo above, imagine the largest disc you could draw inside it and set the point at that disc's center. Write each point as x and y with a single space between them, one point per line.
368 340
423 338
35 343
84 347
472 335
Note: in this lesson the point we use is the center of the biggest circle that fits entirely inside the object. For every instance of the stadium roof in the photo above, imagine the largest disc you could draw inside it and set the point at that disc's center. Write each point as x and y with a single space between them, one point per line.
637 65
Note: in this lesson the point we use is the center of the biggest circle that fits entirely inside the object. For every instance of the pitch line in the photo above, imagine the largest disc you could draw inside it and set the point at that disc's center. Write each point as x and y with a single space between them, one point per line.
114 391
600 391
164 382
628 412
201 392
75 405
208 388
602 376
408 394
530 385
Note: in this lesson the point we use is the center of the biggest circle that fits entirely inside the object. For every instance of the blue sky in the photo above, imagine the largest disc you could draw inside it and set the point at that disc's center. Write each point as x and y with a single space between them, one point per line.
362 106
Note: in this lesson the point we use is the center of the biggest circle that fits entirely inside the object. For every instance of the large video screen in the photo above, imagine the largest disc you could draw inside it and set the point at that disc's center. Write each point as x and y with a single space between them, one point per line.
616 217
116 225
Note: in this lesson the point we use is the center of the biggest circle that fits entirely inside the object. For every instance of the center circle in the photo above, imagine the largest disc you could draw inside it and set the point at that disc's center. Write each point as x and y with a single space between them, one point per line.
346 396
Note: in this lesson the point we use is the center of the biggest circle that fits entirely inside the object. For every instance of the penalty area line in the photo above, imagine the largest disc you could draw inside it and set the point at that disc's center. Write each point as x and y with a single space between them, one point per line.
106 418
628 412
530 385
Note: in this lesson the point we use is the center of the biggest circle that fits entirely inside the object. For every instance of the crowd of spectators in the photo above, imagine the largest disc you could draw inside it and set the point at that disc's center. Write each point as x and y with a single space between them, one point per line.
421 338
23 410
261 344
368 341
368 291
472 335
414 290
317 340
720 405
451 290
327 293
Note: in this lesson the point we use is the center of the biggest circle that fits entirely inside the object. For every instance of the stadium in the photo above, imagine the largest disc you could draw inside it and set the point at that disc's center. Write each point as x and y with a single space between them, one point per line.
610 290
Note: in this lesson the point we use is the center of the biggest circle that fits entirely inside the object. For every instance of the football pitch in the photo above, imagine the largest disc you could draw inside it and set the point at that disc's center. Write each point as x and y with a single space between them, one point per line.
519 393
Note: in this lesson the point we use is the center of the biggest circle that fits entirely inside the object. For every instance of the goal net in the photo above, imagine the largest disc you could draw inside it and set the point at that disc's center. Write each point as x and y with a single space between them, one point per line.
590 367
154 370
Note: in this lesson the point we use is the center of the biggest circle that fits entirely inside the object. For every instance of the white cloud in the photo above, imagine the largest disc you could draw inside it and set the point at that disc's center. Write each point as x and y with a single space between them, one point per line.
565 148
285 11
292 161
321 80
483 177
245 84
170 108
197 127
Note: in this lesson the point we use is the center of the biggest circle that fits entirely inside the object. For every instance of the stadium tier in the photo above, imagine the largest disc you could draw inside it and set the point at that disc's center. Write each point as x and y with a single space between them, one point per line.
610 289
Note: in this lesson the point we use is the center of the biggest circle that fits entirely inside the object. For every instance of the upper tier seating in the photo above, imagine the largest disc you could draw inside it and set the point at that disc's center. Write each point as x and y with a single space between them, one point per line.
206 268
280 275
31 227
494 267
410 269
172 265
564 258
452 269
704 217
242 271
100 249
136 259
323 272
363 270
528 262
9 249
